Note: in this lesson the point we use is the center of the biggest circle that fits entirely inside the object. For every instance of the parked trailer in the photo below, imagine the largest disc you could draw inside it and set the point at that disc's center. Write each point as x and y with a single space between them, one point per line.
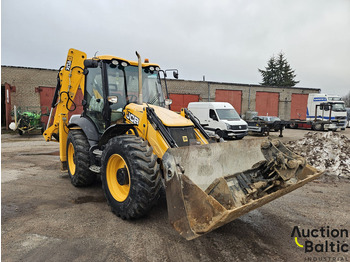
324 112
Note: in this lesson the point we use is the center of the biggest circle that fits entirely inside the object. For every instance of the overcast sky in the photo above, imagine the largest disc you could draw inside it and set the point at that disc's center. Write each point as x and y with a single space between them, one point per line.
225 40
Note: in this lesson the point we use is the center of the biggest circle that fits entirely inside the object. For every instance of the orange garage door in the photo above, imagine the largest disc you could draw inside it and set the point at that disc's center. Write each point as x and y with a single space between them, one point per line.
298 106
234 97
267 103
182 100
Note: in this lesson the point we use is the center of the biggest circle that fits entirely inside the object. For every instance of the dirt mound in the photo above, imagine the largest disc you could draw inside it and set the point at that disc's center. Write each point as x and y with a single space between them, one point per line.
326 151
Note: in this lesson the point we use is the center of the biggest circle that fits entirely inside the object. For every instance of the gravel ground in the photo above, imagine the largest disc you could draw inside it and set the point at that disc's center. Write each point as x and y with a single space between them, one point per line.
45 218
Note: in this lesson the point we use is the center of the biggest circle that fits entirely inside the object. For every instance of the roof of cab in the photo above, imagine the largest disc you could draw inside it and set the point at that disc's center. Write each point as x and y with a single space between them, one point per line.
134 63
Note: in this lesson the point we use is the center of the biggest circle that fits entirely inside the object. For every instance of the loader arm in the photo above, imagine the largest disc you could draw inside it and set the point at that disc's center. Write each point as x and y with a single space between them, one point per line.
70 77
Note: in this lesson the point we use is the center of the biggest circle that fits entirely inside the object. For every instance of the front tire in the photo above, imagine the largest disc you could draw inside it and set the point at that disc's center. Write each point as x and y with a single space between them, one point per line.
220 133
130 176
317 127
78 159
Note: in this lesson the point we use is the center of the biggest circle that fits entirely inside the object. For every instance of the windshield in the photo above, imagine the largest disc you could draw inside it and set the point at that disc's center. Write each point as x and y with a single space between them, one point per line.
338 107
228 114
119 76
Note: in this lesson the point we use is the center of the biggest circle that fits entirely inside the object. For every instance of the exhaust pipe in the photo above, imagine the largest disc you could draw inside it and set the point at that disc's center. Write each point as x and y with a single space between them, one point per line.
140 77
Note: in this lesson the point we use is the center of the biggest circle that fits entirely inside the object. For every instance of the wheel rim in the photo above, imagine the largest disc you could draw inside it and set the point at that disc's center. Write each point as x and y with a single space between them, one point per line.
318 127
71 159
118 191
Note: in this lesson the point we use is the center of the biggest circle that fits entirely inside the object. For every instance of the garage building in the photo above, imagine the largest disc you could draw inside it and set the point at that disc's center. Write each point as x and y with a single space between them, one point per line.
34 87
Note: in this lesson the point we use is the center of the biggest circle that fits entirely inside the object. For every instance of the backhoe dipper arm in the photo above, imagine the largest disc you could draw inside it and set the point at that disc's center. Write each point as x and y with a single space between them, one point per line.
71 76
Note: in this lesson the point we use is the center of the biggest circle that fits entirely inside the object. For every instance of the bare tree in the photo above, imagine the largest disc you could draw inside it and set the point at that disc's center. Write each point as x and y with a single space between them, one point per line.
346 99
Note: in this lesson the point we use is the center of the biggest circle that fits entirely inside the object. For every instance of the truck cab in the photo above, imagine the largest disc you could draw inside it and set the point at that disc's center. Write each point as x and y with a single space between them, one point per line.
220 118
327 110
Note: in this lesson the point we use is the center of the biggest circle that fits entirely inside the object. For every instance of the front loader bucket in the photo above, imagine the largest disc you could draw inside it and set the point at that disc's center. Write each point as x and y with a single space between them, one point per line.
210 185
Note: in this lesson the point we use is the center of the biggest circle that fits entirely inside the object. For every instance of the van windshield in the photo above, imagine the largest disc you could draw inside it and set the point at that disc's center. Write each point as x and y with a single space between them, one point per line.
228 114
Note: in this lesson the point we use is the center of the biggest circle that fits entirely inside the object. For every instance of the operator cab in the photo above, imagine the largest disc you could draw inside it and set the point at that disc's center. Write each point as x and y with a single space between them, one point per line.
111 83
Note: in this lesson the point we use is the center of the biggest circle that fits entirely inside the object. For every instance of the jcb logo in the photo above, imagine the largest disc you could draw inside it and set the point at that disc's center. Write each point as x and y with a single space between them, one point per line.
69 63
185 138
132 118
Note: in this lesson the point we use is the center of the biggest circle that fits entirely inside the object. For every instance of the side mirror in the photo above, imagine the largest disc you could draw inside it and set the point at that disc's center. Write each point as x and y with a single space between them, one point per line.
168 102
112 99
175 74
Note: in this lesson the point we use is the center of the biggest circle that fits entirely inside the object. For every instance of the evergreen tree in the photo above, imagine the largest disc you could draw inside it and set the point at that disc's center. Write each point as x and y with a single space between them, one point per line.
278 72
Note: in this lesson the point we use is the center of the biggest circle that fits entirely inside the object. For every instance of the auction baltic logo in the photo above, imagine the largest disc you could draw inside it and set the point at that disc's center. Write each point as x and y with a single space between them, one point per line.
325 240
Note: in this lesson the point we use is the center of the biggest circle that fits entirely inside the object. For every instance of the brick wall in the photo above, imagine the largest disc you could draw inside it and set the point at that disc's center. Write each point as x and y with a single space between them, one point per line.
26 80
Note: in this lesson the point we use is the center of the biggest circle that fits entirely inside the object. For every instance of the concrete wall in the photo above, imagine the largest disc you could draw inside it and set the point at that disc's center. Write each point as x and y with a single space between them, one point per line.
207 90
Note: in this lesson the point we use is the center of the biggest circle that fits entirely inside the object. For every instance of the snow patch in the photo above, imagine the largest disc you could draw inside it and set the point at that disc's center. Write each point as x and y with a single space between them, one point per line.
326 151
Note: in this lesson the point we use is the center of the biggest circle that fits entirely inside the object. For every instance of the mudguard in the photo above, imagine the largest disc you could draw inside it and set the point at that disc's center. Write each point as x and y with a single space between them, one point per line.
87 126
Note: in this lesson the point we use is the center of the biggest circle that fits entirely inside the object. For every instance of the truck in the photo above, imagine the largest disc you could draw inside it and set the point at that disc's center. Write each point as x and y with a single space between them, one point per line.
220 118
129 139
323 112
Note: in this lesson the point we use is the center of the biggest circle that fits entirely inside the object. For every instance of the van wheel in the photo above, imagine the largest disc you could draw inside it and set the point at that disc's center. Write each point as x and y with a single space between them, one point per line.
220 133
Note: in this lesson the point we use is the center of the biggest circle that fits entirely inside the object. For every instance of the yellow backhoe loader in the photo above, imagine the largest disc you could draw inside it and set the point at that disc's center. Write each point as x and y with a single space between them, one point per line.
128 137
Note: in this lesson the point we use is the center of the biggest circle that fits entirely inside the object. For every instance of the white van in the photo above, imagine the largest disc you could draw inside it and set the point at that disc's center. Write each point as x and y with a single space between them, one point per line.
219 117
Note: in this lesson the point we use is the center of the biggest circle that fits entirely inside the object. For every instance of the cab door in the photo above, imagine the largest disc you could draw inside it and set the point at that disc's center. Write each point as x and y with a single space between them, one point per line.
94 98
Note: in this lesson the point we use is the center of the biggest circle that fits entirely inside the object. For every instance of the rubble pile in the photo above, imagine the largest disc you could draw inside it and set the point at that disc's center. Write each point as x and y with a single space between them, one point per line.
326 151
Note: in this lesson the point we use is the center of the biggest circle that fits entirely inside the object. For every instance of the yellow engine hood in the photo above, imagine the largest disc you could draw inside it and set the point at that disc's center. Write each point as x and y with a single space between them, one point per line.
168 117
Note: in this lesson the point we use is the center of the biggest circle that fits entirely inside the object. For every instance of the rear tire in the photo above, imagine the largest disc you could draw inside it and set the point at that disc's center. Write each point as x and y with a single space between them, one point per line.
78 159
130 176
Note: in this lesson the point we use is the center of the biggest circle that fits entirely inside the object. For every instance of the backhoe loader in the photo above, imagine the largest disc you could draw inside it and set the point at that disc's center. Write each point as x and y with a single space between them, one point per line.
128 136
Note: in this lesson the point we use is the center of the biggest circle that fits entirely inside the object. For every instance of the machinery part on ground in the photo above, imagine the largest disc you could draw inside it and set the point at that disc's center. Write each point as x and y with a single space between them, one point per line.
130 176
78 159
26 121
137 147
